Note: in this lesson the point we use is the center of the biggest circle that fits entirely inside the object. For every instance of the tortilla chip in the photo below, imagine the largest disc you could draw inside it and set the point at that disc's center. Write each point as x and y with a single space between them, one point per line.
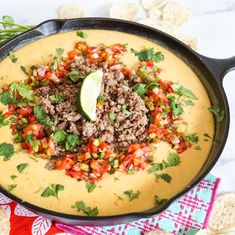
4 223
149 4
175 13
158 233
70 11
188 40
125 11
160 25
223 215
155 13
205 232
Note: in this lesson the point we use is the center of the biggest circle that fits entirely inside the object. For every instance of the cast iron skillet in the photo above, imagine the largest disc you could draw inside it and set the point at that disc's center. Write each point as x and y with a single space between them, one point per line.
210 71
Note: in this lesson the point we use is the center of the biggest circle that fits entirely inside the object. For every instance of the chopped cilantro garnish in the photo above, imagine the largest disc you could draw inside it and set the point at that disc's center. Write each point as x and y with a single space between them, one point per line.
189 102
52 190
24 90
180 90
34 143
10 187
55 64
5 98
193 138
21 167
176 108
42 116
148 54
173 159
72 141
81 34
3 120
13 58
74 75
24 70
207 135
125 111
198 147
59 51
59 136
131 194
90 187
112 117
56 97
158 200
80 206
140 88
7 151
218 114
167 178
13 177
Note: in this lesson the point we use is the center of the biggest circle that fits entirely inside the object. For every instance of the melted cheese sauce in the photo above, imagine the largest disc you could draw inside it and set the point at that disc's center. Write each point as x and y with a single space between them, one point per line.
105 195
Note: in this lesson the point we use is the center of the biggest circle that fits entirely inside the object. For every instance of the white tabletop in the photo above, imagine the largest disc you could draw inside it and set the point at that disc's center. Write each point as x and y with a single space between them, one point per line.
213 23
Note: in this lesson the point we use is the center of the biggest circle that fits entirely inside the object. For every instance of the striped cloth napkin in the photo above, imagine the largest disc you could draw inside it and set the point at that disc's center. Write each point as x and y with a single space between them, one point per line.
184 217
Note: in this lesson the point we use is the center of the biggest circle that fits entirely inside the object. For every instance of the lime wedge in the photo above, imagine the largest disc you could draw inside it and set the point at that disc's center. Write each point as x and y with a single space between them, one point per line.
89 93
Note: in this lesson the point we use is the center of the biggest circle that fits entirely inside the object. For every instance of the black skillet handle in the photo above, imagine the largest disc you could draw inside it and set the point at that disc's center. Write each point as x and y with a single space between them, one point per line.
219 67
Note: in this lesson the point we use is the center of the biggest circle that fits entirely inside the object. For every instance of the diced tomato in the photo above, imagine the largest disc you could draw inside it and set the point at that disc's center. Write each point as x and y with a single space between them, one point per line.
133 148
182 147
35 128
27 147
48 74
102 145
26 111
170 90
159 70
72 54
64 164
51 147
150 63
127 73
32 118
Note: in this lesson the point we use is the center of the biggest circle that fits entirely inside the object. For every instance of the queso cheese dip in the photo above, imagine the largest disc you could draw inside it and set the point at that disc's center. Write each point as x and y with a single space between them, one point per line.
179 106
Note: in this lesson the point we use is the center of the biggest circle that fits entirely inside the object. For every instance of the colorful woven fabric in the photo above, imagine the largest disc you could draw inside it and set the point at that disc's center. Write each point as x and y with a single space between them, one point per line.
184 217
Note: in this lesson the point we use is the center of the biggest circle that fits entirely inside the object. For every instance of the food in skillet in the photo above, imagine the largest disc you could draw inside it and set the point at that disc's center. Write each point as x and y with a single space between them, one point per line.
93 116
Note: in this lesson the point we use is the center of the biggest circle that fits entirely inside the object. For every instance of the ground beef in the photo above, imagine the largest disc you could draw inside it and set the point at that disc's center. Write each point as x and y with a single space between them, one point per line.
127 128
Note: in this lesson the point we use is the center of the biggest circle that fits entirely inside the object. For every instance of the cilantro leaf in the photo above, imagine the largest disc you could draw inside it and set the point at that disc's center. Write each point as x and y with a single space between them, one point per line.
7 151
125 111
21 167
189 102
13 58
81 34
5 98
80 206
42 116
131 194
52 190
3 120
180 90
24 90
24 70
176 108
112 117
140 88
72 141
74 75
164 177
173 159
148 54
10 187
90 187
13 177
56 97
158 200
34 143
59 136
217 113
59 51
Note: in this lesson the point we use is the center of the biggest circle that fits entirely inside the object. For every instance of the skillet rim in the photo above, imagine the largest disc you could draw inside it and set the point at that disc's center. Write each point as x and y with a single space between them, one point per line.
63 26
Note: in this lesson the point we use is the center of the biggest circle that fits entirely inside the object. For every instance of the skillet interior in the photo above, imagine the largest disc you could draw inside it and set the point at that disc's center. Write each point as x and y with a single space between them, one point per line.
211 83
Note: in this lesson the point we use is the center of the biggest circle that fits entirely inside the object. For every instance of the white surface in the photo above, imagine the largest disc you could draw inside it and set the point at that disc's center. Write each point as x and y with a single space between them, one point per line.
213 23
